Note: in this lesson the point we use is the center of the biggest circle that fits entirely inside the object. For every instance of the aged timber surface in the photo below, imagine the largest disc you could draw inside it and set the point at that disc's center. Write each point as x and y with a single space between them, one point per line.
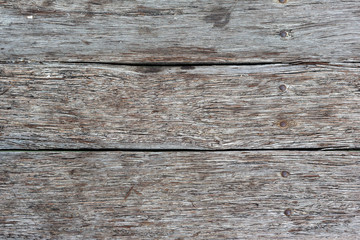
180 195
211 107
99 76
180 31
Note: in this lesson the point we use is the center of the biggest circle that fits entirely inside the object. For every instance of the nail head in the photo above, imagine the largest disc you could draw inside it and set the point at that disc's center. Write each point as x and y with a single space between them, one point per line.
282 87
284 34
283 124
285 174
288 212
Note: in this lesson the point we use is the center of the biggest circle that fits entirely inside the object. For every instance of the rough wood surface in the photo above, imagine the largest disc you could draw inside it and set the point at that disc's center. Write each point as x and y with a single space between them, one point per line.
180 31
290 80
210 107
180 195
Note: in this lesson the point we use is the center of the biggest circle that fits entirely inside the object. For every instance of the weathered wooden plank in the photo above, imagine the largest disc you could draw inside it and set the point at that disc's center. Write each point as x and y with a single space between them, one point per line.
180 31
180 195
213 107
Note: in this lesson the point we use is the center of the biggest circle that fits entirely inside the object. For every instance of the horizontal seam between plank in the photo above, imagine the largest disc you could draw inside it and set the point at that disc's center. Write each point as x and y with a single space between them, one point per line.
199 64
178 64
175 64
178 150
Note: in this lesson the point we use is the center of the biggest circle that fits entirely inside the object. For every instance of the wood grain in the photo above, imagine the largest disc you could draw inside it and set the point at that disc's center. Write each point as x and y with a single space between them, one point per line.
72 106
138 75
179 195
180 31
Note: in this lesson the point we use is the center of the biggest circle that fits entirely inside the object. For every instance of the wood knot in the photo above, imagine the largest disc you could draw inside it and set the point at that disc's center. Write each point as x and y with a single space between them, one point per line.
72 171
283 1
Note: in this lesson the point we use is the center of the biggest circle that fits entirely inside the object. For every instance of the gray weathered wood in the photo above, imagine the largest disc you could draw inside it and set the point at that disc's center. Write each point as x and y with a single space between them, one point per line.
213 107
47 101
179 195
180 31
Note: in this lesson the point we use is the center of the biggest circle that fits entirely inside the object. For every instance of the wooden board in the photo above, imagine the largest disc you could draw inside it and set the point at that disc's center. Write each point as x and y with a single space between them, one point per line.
180 31
73 106
180 195
263 85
